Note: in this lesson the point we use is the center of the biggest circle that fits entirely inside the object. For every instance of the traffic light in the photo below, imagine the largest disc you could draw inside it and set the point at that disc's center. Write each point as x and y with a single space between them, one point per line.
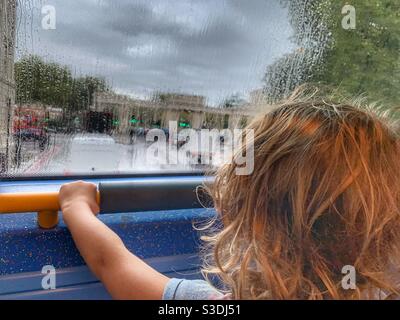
184 124
133 120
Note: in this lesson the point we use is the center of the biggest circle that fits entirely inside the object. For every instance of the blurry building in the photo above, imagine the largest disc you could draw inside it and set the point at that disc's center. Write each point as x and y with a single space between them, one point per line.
7 85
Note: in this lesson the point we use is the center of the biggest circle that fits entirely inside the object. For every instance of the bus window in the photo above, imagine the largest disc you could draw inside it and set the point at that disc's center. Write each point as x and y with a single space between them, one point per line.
84 82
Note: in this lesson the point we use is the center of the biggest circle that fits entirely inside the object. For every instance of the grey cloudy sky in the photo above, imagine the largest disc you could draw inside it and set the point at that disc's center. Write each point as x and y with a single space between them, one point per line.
213 48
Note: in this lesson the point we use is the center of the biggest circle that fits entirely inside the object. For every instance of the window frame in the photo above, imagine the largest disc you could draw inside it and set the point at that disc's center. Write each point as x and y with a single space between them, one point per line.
104 176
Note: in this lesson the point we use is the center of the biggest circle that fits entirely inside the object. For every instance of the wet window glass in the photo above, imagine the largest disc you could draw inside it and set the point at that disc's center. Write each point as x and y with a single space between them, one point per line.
124 86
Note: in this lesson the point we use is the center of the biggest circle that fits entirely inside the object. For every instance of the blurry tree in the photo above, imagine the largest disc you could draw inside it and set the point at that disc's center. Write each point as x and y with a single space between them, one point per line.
82 92
52 84
363 60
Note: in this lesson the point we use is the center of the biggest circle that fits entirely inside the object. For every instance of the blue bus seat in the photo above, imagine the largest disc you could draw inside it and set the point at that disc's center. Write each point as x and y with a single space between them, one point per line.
165 239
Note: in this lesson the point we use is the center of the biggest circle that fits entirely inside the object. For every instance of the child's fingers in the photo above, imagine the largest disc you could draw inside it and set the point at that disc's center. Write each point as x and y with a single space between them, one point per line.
79 189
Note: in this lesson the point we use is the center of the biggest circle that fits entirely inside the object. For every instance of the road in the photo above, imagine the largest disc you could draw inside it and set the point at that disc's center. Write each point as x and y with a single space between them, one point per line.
68 155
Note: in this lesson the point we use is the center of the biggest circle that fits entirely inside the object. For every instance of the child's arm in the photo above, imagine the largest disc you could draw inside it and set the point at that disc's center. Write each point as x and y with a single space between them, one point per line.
124 275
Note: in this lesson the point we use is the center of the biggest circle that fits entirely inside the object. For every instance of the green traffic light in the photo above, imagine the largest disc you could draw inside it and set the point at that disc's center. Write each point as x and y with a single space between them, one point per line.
184 125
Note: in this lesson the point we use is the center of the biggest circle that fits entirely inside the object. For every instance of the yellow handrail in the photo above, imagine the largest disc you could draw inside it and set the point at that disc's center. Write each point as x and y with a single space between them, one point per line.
44 203
28 202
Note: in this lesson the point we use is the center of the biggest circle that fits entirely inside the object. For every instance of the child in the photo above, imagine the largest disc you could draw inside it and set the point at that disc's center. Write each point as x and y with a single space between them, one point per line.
324 197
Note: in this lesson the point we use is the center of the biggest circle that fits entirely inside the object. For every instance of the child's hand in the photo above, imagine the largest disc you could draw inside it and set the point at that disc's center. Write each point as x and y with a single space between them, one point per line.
78 194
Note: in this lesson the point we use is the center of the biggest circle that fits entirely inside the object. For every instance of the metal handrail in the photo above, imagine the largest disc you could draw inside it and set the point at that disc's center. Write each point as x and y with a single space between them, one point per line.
46 204
29 202
114 197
